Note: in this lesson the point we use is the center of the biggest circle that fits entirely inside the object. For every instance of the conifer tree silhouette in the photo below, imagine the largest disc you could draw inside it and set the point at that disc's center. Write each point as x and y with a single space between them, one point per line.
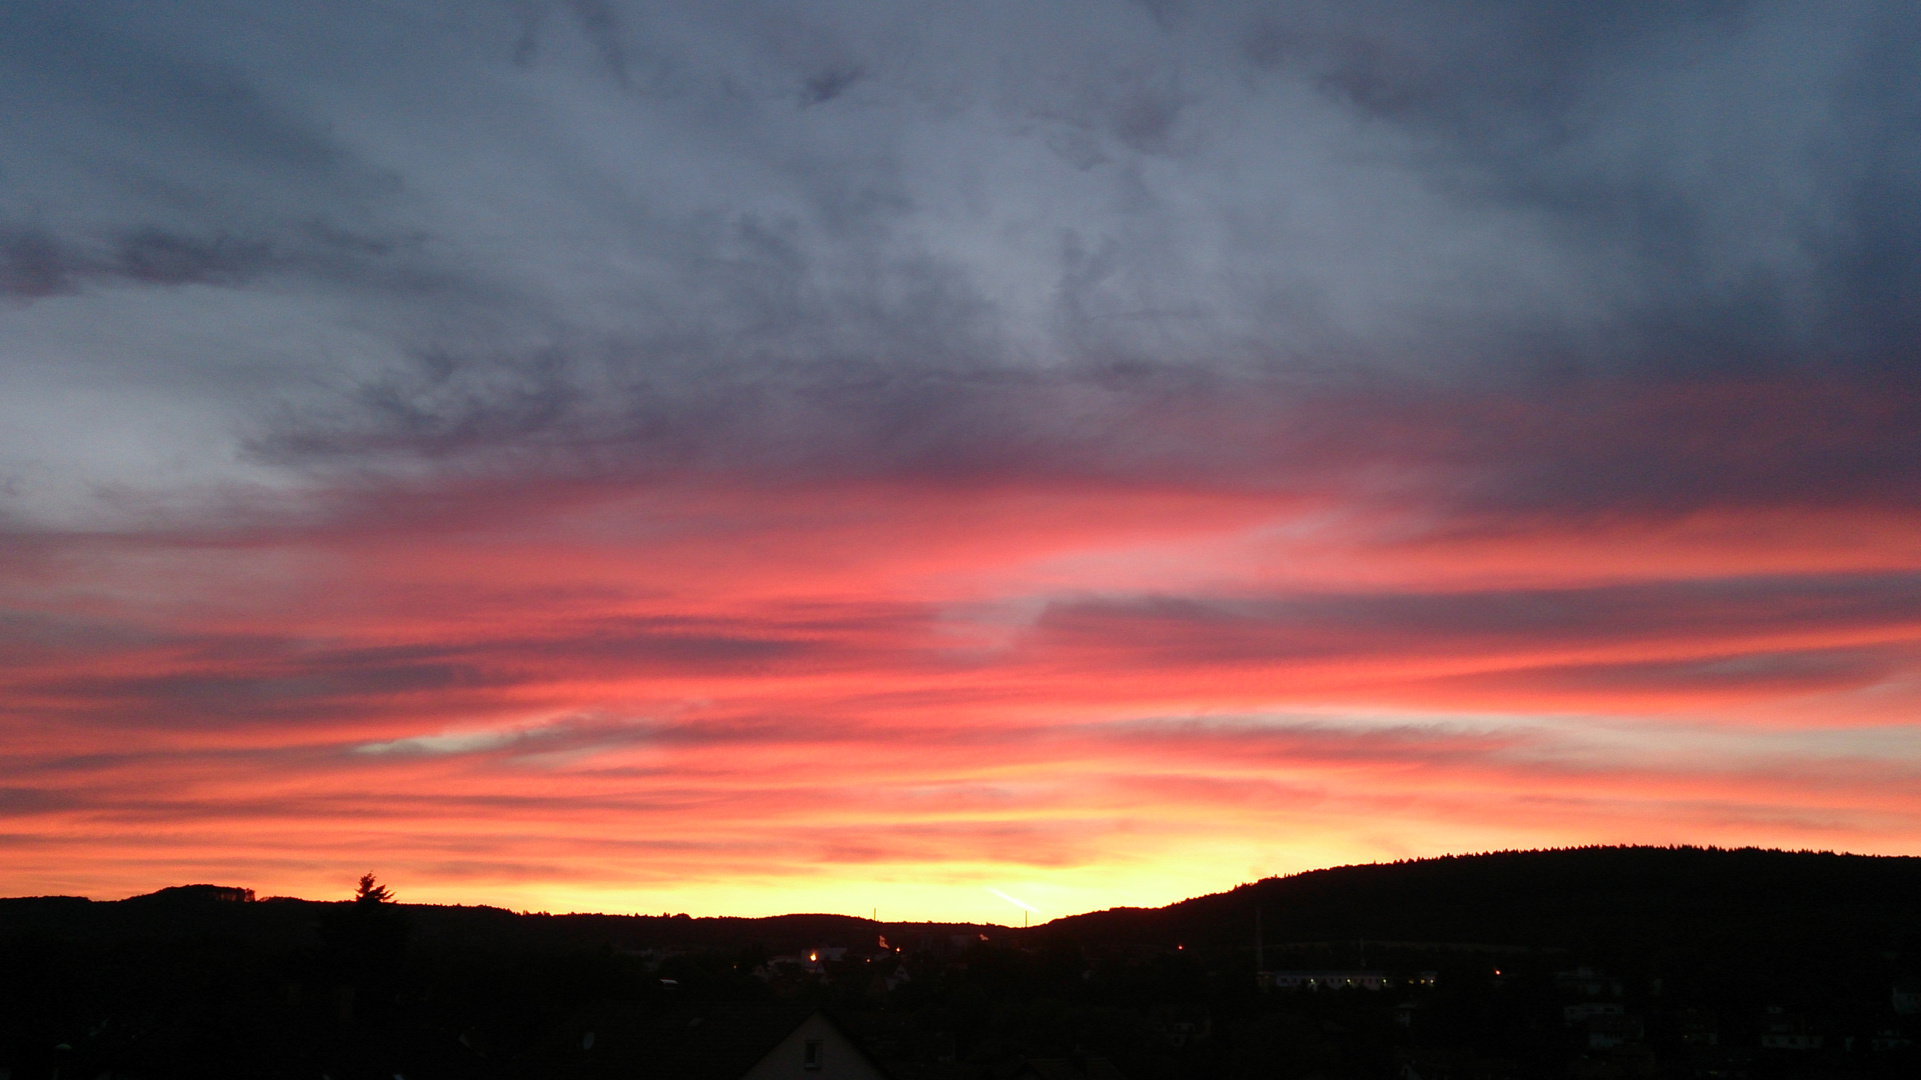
370 891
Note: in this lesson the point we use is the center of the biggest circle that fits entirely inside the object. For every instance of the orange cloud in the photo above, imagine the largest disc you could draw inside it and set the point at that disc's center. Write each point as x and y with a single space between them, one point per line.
756 700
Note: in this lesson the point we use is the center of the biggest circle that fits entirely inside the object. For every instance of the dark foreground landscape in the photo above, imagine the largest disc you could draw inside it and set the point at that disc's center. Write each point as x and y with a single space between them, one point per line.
1598 962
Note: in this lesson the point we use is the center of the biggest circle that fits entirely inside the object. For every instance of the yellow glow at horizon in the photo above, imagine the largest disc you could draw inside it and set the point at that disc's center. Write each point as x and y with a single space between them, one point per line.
901 893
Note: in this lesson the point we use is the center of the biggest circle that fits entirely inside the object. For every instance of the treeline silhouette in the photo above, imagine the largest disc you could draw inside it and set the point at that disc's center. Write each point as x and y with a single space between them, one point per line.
1590 962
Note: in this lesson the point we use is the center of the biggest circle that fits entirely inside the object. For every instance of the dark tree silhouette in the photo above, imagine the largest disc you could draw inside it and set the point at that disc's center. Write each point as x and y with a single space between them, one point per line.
372 892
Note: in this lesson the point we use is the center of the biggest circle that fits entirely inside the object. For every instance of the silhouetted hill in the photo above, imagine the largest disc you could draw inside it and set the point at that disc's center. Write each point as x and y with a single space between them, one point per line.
1597 898
225 911
1598 901
1689 958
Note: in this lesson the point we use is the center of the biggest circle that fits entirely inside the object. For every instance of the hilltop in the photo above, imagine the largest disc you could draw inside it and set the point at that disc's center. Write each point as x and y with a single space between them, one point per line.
1611 898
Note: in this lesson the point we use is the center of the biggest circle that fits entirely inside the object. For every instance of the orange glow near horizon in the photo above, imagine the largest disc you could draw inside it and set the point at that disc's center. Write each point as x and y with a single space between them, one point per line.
753 702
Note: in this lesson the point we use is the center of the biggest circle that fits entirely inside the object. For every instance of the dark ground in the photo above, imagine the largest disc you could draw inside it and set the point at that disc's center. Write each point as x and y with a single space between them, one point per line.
1692 957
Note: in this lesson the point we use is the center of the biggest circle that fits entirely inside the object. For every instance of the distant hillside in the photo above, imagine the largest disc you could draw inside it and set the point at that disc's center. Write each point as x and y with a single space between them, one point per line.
1596 901
284 922
1603 903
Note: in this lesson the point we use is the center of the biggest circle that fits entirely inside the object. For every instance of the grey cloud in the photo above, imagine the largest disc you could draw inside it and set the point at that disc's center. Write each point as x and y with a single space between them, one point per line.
608 238
1750 162
1757 674
35 263
177 164
21 801
224 680
1710 613
828 85
1310 740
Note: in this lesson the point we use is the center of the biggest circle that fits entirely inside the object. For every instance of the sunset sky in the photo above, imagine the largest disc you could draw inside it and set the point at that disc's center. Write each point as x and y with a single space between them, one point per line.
739 457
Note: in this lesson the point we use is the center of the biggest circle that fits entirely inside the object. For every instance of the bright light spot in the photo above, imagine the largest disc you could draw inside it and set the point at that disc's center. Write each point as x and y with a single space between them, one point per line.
451 742
1016 903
